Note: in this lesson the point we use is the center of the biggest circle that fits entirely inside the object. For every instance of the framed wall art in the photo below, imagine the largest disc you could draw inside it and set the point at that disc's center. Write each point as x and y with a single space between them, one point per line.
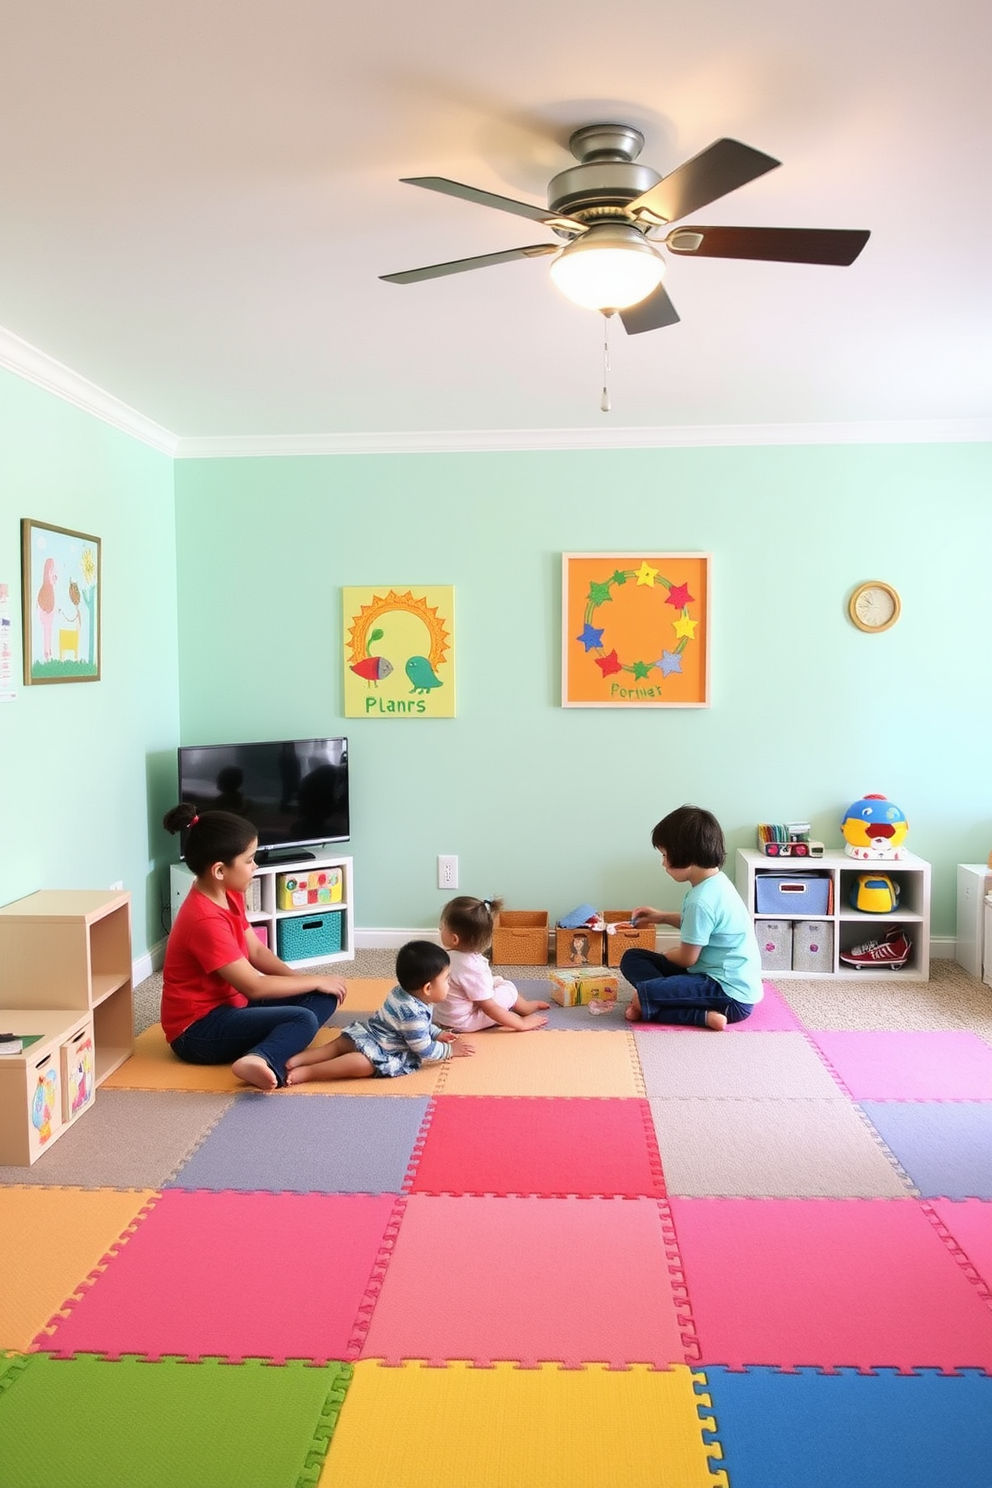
61 578
635 630
399 652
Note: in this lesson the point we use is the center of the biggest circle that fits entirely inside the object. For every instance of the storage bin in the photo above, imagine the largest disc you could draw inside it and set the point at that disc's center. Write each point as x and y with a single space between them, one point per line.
78 1074
579 947
304 937
801 895
262 931
520 937
813 945
775 944
299 889
625 940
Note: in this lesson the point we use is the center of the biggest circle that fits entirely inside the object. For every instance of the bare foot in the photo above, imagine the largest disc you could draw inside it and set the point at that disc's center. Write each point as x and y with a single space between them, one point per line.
716 1021
525 1008
633 1011
253 1069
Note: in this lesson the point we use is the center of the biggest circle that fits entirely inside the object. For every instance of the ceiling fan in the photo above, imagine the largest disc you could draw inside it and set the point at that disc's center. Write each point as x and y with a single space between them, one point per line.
609 211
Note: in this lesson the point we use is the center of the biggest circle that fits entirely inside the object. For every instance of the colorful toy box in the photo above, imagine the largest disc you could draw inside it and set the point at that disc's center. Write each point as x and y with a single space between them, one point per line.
299 890
580 947
307 937
582 986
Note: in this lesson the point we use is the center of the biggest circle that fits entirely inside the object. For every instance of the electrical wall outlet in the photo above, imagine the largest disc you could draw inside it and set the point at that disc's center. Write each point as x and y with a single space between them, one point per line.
447 871
119 885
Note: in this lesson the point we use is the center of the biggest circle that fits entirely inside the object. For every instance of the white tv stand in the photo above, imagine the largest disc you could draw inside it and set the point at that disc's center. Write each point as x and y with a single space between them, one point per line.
264 913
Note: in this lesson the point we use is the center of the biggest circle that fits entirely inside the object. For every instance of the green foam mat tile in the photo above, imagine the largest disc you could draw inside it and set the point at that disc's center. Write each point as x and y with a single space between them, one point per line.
97 1423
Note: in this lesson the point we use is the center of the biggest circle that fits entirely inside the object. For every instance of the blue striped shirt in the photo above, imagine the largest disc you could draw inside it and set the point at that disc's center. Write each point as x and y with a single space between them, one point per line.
402 1033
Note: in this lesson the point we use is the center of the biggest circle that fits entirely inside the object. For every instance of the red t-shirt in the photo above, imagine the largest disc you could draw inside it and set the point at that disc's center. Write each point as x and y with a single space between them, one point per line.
205 936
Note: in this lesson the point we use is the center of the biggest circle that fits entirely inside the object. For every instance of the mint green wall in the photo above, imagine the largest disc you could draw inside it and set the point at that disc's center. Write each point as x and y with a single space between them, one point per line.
550 807
81 765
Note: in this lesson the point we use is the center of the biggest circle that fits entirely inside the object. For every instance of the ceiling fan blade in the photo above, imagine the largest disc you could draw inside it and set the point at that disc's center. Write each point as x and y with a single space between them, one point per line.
721 167
813 245
489 199
650 314
460 265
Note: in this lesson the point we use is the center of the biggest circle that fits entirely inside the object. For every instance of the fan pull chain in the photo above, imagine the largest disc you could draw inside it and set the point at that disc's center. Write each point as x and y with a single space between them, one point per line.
604 402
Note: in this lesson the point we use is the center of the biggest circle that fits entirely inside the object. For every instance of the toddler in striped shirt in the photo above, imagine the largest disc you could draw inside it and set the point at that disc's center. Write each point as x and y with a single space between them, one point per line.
396 1039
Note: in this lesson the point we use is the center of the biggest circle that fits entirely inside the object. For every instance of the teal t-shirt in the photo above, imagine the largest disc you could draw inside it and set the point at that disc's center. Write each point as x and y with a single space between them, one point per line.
715 918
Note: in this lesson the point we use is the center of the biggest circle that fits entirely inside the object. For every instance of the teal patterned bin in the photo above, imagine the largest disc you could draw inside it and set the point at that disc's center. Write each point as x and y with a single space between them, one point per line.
304 937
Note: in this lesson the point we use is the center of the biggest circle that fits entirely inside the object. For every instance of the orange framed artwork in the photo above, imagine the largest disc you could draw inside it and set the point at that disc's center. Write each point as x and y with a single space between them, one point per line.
635 630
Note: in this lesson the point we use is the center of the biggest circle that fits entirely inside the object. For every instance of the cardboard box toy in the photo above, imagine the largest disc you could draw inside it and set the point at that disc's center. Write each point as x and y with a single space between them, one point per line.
580 947
580 987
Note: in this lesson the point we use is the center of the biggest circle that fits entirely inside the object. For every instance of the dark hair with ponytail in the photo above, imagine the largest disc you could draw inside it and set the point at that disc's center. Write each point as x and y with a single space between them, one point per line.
214 836
472 921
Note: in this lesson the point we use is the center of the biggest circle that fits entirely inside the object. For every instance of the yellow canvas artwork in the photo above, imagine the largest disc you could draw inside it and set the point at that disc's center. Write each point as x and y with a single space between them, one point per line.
399 652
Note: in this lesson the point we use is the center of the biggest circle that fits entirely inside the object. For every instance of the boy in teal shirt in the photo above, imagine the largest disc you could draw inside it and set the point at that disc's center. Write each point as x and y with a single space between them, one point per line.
713 977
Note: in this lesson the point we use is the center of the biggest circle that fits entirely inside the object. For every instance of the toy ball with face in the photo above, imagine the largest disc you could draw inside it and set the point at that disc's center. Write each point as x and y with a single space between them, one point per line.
873 828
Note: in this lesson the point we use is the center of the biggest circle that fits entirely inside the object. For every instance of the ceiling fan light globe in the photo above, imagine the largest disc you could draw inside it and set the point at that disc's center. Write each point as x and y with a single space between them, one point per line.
609 268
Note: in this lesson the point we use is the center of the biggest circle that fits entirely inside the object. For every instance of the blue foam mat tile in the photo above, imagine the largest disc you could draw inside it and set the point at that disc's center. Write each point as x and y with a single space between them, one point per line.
809 1429
576 1018
944 1146
311 1144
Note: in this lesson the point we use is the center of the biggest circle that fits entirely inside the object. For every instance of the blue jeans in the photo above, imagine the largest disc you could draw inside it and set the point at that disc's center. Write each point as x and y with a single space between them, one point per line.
670 994
275 1029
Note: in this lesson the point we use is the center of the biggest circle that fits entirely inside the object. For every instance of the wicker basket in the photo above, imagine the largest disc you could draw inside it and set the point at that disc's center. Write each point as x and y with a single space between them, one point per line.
626 940
589 955
520 937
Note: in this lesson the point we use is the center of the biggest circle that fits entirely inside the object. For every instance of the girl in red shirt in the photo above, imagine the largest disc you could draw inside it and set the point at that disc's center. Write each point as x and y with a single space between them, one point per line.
226 998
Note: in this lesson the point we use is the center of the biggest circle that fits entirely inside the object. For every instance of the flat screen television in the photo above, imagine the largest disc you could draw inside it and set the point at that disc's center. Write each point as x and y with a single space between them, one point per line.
293 791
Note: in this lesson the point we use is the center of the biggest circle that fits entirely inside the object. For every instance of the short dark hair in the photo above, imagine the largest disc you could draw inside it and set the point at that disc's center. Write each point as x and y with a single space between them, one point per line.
690 838
419 962
472 921
214 836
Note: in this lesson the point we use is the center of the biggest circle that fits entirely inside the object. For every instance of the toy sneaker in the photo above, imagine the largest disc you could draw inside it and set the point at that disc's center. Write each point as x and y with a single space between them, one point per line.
894 951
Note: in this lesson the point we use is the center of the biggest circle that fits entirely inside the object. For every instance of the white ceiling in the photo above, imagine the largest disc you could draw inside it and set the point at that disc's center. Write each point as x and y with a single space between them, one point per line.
197 197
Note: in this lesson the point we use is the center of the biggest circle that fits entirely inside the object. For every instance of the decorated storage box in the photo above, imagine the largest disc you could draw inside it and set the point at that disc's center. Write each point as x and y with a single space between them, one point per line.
304 937
775 944
579 947
520 937
580 987
298 890
618 941
78 1073
802 895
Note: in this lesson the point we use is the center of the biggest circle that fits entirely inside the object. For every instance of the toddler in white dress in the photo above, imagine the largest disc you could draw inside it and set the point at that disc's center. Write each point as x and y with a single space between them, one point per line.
476 998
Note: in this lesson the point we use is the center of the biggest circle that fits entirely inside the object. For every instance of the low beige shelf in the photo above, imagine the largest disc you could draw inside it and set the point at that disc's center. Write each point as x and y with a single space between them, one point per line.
70 949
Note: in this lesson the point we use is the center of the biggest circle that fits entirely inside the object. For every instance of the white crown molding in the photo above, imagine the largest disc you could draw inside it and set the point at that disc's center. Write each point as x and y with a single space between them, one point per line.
26 361
480 441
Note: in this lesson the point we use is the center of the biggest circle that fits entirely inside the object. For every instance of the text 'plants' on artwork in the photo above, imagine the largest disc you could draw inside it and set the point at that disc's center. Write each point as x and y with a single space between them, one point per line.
399 659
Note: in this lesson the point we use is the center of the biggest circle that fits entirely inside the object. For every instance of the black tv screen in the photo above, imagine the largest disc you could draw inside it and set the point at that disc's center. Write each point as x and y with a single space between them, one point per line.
293 791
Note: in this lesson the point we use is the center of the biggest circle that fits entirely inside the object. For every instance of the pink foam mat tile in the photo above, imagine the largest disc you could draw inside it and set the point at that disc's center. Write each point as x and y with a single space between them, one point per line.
966 1224
233 1275
771 1015
832 1283
532 1280
531 1145
909 1066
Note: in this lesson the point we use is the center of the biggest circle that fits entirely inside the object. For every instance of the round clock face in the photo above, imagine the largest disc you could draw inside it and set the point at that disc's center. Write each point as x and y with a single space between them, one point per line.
874 606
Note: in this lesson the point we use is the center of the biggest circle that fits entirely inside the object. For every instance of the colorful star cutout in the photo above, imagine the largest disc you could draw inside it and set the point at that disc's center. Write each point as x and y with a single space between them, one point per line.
609 664
685 627
670 662
619 577
679 596
599 594
591 638
646 574
641 669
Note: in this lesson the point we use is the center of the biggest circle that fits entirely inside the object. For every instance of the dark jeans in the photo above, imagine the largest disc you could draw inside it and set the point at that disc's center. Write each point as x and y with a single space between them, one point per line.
670 994
275 1029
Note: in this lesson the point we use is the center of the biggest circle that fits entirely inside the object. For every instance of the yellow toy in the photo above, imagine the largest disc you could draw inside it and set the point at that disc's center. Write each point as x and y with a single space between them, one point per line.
873 828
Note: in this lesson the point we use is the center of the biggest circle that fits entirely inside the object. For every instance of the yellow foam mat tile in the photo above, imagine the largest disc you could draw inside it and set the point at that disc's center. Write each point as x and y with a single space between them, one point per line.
546 1063
50 1241
365 994
506 1427
153 1066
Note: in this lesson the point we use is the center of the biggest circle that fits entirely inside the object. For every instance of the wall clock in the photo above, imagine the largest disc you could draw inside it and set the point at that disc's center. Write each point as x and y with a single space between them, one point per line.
874 606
